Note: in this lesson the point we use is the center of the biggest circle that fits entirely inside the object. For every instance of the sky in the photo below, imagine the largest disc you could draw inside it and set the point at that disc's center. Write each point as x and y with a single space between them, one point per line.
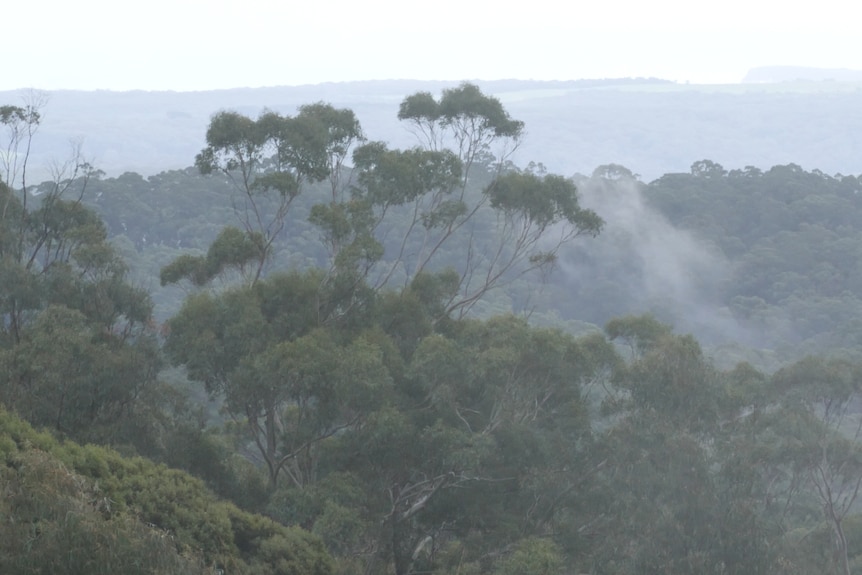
187 45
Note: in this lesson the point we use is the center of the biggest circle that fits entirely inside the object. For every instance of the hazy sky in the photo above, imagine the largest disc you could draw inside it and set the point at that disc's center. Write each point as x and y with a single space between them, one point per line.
199 45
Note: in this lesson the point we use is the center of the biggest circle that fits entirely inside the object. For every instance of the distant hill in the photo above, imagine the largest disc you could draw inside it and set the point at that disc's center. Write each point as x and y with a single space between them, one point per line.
650 126
797 73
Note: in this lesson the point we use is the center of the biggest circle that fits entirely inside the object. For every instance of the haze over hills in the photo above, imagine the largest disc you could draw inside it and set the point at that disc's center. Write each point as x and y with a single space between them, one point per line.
801 73
650 126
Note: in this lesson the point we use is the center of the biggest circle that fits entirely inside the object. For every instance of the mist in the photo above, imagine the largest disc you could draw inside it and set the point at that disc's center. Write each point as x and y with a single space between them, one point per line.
641 263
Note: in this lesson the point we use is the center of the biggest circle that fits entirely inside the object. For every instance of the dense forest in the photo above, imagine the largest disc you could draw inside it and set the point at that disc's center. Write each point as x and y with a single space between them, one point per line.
315 353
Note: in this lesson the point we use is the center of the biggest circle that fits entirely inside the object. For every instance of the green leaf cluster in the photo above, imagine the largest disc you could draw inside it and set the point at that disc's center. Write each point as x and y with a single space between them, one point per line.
71 508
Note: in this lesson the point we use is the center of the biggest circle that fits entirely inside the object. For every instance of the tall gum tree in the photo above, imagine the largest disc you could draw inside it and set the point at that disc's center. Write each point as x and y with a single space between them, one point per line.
488 436
660 506
323 367
76 345
455 188
269 160
818 447
247 343
290 380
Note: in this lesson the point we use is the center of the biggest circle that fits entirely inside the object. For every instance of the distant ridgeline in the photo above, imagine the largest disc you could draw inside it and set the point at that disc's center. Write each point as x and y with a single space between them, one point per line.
801 73
651 126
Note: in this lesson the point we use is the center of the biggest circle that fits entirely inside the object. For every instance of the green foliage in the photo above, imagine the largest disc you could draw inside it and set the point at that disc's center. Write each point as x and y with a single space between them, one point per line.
396 177
414 205
231 249
87 508
64 376
12 115
539 556
489 431
458 108
76 344
818 381
268 350
55 521
675 378
185 266
316 142
640 333
269 160
229 132
542 200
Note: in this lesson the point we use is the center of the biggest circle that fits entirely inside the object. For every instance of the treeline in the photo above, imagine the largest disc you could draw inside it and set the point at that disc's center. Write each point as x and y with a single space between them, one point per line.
763 259
374 404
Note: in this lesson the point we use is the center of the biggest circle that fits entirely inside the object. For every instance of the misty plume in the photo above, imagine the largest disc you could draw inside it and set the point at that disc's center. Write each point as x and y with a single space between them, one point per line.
641 263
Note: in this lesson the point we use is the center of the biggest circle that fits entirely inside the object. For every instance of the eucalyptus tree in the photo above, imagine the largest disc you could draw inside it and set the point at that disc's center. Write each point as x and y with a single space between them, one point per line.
76 346
455 191
814 450
263 344
483 445
472 125
365 375
674 494
21 124
270 159
290 380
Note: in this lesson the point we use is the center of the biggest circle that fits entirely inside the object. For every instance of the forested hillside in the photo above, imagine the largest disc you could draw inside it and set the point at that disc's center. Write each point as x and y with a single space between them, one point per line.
761 258
766 259
312 352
